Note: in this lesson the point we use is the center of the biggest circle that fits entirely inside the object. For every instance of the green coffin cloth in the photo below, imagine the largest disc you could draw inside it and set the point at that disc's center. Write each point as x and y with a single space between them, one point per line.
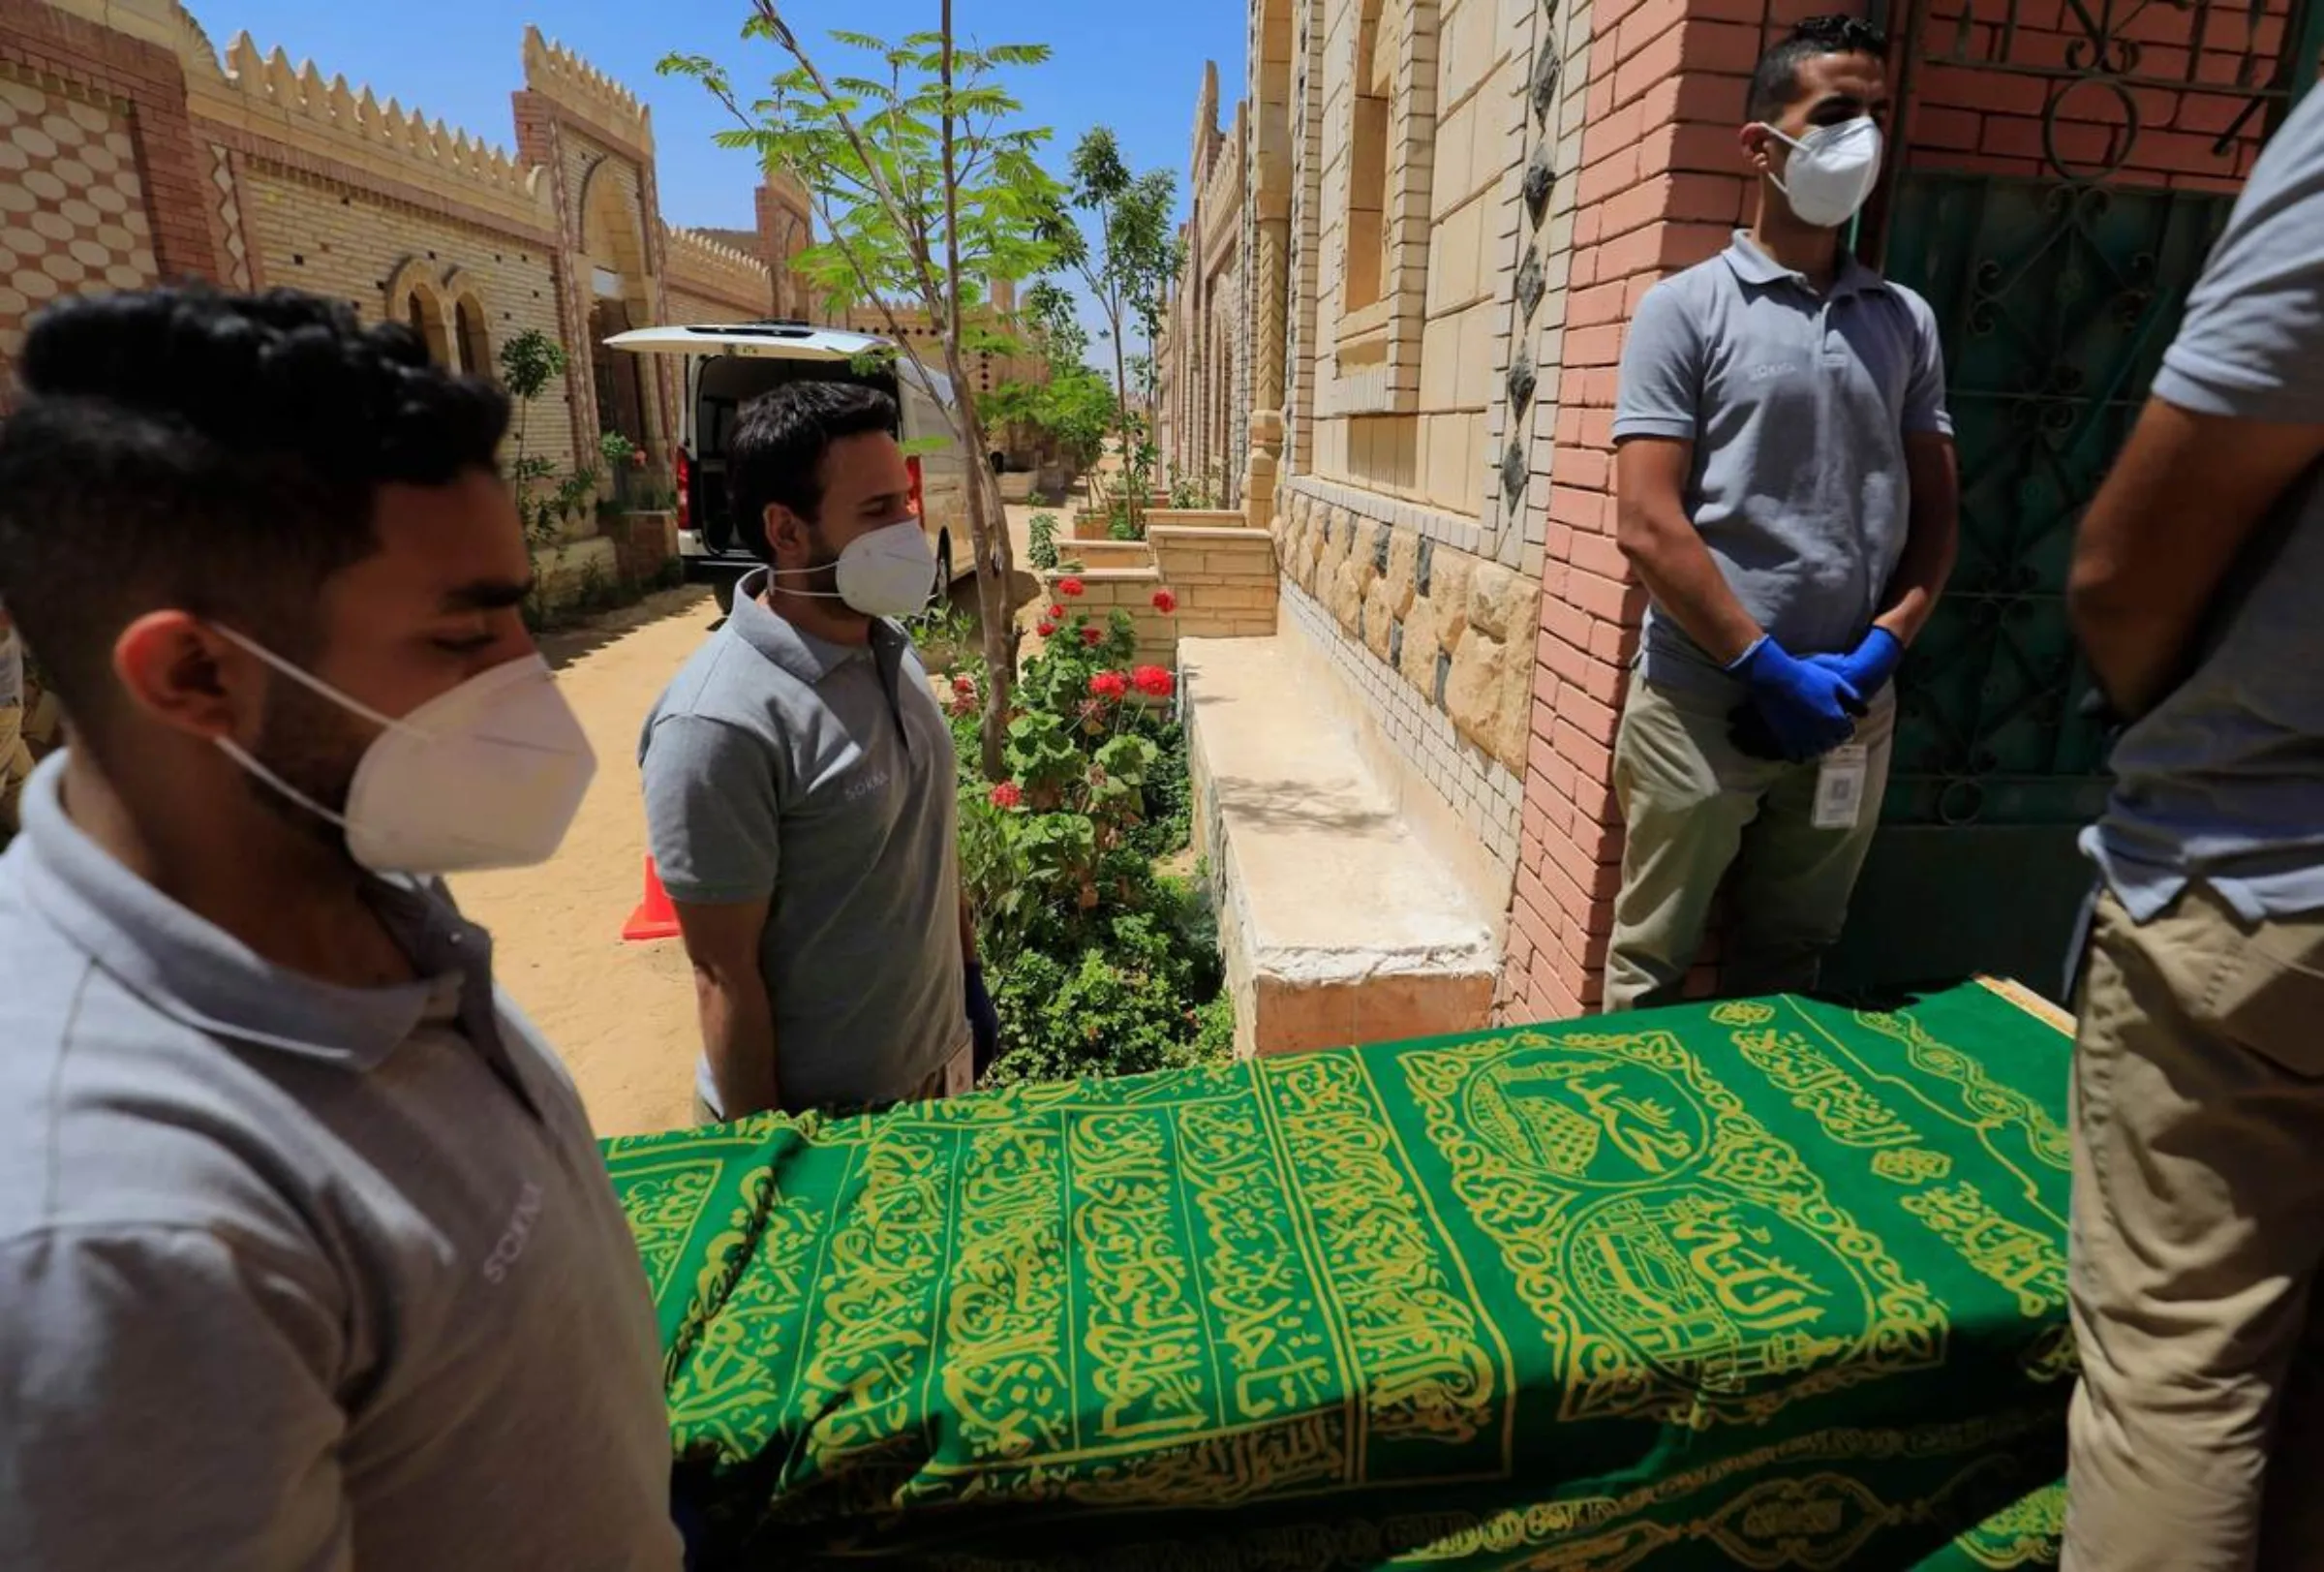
1762 1284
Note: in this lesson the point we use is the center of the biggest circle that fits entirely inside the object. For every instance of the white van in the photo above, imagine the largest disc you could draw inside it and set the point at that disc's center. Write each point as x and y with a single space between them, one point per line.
729 364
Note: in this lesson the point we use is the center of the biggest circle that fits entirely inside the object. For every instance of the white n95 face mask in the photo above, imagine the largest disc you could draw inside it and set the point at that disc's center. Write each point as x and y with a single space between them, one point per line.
488 774
884 572
1831 172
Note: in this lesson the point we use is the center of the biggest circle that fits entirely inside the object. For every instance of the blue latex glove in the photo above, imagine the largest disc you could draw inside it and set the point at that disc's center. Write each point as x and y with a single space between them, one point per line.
1870 665
984 1021
1809 709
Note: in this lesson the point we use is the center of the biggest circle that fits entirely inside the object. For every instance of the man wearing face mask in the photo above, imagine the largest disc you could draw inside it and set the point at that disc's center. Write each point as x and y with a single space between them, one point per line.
800 785
307 1259
1784 464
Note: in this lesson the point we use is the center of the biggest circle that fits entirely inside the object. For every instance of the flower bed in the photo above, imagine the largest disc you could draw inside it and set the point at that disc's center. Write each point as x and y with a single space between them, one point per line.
1101 963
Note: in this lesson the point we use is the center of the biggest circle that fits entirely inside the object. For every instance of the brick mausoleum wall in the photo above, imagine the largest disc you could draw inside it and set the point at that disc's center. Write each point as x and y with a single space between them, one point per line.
130 153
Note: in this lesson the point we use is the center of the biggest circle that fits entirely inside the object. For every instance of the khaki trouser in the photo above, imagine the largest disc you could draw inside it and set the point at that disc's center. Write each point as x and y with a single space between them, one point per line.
2198 1226
1697 807
16 764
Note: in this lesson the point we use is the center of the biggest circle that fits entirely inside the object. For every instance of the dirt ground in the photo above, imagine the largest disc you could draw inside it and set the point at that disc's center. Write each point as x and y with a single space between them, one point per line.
621 1016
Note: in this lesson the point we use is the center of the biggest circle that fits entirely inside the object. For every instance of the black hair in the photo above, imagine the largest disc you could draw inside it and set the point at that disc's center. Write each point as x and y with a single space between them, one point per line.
779 444
222 454
1775 81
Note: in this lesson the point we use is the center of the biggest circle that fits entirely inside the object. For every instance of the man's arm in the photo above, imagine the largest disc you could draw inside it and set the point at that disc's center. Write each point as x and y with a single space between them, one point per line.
967 930
714 822
1932 538
731 999
169 1403
1656 410
1662 543
2178 505
2237 416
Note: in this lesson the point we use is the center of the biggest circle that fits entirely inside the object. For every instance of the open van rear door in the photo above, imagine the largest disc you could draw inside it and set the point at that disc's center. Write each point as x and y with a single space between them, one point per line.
773 340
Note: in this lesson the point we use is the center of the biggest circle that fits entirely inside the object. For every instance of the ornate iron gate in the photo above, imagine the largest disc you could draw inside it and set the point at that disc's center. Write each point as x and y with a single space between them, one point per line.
2057 242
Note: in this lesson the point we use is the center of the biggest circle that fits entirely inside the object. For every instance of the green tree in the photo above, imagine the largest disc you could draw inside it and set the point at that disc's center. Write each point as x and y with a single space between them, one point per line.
1073 404
925 182
1129 271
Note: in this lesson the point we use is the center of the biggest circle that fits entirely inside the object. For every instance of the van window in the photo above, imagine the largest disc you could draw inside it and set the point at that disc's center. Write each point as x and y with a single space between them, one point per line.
729 382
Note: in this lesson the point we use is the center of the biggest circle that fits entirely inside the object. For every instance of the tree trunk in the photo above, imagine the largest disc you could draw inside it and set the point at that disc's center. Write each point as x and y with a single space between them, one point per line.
1132 487
985 510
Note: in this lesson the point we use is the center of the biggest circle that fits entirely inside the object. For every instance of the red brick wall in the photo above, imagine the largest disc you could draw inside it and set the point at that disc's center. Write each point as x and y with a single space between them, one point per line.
1987 122
1661 186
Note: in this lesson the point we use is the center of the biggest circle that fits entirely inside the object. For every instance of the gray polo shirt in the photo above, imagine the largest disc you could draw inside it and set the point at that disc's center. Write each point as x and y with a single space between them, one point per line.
2224 780
1798 405
821 778
295 1276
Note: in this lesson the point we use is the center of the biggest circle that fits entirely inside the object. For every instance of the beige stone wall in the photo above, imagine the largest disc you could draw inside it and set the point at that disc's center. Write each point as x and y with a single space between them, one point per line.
1430 632
335 240
1205 356
707 280
985 371
1407 385
1223 575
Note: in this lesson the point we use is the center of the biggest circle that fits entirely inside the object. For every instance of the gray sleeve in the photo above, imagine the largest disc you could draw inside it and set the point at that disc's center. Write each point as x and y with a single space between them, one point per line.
168 1405
1925 409
713 817
1661 369
2251 344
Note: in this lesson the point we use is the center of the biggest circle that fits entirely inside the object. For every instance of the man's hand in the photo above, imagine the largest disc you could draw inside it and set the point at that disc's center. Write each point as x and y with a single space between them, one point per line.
1869 667
1809 709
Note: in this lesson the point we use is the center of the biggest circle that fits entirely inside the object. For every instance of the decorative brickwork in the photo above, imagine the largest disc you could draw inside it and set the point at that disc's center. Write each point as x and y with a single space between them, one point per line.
73 214
163 162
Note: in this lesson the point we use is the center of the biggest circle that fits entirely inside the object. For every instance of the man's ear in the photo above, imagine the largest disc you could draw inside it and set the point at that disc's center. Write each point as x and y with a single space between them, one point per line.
780 527
178 672
1758 146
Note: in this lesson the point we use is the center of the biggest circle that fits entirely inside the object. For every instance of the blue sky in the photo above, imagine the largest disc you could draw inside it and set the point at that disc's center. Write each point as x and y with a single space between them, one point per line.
1135 67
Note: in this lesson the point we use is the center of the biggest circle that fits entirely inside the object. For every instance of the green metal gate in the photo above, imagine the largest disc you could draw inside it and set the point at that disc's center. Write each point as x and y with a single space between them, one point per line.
2057 294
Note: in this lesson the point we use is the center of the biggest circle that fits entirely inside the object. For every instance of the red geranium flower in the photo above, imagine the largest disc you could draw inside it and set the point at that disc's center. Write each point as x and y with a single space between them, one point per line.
963 684
1070 587
1165 601
1093 636
1056 613
1008 794
1153 682
1047 630
1109 685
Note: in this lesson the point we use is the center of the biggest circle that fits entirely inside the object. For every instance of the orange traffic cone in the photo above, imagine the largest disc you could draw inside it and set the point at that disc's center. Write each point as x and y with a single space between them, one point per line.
655 916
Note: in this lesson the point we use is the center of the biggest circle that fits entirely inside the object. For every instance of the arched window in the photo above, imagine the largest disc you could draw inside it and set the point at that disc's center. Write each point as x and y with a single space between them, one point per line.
425 314
475 336
414 299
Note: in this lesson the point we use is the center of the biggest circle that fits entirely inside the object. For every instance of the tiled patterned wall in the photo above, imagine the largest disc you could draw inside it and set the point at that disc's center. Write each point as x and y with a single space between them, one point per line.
71 207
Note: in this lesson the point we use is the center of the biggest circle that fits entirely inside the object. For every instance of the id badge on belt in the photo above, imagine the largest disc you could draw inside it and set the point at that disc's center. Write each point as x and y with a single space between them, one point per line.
1840 786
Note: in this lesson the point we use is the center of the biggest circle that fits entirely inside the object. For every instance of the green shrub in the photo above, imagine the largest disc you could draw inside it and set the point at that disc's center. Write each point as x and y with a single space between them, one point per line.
1042 541
1100 966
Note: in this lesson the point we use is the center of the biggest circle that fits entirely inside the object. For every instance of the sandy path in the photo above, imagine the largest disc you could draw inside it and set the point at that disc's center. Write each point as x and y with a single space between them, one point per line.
621 1016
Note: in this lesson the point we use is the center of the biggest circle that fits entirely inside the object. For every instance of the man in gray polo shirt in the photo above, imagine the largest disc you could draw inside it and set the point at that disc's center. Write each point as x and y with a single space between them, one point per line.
307 1259
2197 1436
1785 470
800 785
